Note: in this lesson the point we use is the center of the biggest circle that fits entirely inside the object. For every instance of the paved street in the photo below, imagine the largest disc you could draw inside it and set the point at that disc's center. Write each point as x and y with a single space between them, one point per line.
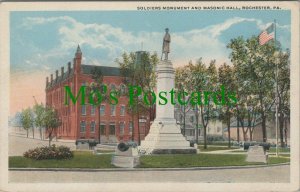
18 144
264 174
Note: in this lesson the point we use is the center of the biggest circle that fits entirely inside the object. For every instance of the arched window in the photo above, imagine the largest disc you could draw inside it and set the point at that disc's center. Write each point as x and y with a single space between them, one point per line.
112 87
103 88
123 89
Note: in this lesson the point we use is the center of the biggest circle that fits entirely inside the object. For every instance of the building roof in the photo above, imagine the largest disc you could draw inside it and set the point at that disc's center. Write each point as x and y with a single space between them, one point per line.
86 69
106 71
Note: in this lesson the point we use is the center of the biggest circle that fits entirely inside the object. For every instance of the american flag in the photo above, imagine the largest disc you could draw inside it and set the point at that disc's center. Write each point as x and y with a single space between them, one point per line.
267 34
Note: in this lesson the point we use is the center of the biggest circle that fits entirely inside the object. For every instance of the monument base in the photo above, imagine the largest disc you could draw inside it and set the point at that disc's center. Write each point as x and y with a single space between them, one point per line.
165 137
256 154
125 162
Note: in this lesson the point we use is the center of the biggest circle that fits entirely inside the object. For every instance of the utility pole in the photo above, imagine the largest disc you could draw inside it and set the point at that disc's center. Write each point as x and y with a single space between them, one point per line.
276 93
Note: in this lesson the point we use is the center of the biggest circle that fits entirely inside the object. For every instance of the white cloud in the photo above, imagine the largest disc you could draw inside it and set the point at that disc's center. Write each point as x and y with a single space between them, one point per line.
185 46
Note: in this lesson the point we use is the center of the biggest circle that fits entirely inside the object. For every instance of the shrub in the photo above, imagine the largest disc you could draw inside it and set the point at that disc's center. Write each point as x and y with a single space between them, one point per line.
52 152
264 144
214 138
92 142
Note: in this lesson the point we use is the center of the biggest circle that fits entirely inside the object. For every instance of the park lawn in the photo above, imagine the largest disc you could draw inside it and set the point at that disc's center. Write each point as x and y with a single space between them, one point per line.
89 160
214 148
201 160
273 149
225 143
81 159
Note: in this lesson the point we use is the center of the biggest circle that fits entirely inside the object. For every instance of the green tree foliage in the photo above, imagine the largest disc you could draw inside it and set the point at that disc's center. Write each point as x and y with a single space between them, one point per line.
181 77
138 69
51 122
226 79
282 60
27 119
39 118
255 64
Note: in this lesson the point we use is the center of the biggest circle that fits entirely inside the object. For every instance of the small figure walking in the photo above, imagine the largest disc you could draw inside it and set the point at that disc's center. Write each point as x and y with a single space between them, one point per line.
166 44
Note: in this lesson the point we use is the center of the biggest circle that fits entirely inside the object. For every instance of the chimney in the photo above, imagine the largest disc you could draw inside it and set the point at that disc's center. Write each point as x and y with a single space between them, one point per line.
47 81
56 74
51 78
62 71
69 67
74 65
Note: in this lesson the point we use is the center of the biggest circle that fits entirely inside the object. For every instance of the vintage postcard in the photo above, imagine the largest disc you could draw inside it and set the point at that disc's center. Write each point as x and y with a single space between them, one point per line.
149 96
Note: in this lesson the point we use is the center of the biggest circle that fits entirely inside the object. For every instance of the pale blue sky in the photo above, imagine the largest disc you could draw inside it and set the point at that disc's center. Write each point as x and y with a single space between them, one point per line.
47 40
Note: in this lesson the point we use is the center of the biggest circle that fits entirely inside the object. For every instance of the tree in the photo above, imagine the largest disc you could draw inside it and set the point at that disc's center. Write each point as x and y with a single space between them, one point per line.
197 83
227 80
202 79
52 122
127 70
256 64
97 91
39 120
181 76
27 120
138 69
283 89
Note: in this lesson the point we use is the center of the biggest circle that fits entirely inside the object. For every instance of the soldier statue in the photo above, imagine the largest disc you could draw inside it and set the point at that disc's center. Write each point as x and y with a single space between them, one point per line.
166 44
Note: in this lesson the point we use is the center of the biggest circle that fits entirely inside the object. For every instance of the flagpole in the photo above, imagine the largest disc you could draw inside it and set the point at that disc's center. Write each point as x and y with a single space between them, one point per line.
276 92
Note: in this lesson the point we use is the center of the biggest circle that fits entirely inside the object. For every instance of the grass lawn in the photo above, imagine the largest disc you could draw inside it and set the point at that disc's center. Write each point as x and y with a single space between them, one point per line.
285 155
225 143
201 160
89 160
214 148
273 149
81 159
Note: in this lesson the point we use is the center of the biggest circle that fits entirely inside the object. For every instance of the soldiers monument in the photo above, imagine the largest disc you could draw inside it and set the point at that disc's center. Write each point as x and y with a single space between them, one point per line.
165 136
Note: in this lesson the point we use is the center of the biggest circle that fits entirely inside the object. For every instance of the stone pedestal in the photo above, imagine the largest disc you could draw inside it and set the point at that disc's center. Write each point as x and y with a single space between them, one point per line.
165 136
126 159
256 154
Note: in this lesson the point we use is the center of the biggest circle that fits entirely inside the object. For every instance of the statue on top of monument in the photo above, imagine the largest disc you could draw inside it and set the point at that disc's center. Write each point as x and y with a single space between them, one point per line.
166 44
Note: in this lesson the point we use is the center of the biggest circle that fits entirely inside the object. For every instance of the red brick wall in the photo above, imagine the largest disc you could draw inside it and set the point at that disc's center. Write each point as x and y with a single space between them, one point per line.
71 116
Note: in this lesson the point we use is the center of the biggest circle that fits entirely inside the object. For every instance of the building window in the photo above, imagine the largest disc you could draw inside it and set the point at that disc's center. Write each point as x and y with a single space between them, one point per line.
93 109
82 126
83 110
103 88
192 119
102 110
93 125
130 126
102 129
112 129
123 89
112 87
122 126
113 110
122 111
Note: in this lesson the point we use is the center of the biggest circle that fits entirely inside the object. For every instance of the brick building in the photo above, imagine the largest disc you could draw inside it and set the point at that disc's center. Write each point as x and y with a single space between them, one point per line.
82 121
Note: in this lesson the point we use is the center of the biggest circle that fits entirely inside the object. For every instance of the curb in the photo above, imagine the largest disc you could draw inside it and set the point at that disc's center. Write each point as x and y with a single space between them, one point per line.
145 169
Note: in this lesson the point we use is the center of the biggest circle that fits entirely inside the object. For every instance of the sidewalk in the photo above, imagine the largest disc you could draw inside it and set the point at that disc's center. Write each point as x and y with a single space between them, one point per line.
37 137
18 144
